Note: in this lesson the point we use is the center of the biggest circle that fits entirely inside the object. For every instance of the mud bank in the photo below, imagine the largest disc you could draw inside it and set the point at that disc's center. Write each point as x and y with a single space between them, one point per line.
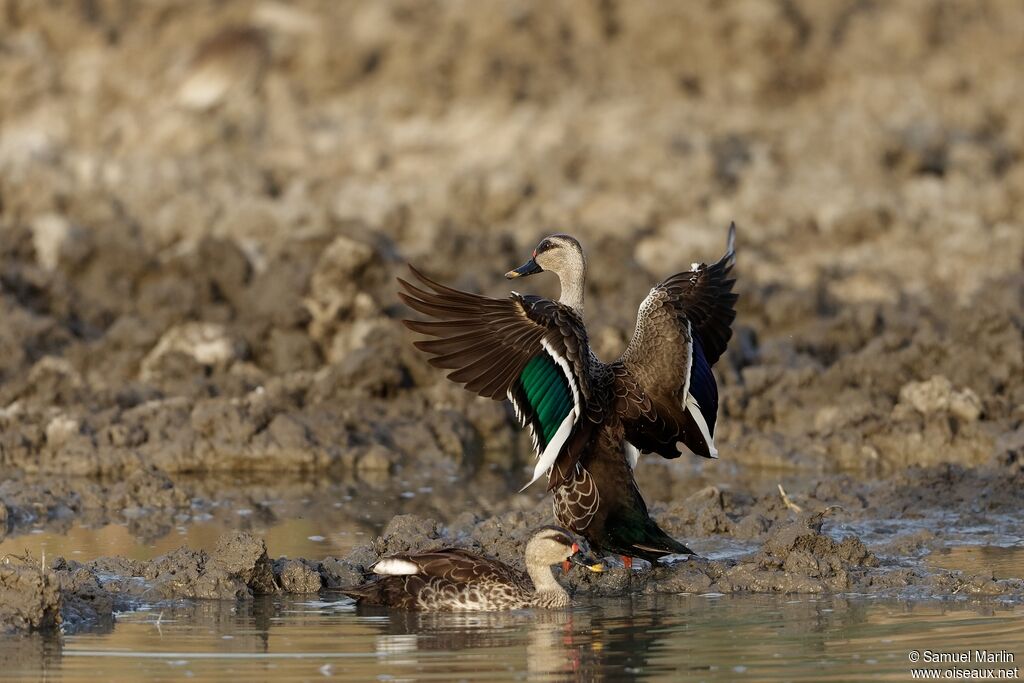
153 507
842 536
201 278
695 502
974 496
871 387
72 595
787 548
794 555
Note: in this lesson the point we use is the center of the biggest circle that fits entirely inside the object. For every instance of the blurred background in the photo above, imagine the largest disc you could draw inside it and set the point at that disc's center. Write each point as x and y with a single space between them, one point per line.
203 206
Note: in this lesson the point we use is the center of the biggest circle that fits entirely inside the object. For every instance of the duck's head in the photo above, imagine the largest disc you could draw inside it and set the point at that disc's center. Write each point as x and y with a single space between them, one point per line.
554 545
559 254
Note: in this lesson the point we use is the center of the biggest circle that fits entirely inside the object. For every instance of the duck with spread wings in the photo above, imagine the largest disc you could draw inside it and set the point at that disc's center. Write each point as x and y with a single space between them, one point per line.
590 420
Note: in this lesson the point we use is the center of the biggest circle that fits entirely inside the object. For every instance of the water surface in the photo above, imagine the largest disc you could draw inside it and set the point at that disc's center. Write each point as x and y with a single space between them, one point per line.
652 638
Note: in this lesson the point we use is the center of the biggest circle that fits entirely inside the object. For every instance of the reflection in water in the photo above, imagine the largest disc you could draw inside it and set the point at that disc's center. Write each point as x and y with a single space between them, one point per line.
694 637
297 517
31 656
552 648
998 561
592 642
689 637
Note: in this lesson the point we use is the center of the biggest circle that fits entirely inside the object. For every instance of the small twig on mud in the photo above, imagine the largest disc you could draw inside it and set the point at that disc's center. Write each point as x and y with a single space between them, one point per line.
790 504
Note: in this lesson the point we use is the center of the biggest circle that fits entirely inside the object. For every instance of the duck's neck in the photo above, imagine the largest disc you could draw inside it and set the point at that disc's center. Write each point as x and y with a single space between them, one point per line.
545 584
572 281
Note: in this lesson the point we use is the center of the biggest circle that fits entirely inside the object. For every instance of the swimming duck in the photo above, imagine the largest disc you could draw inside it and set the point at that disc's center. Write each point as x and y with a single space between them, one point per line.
456 580
590 420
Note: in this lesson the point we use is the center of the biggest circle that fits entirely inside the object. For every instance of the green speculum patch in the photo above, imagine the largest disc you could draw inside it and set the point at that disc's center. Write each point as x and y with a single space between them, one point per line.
548 393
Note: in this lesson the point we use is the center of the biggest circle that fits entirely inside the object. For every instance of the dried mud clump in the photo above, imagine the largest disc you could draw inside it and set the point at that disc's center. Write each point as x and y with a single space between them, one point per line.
236 569
297 576
72 594
30 597
84 600
808 560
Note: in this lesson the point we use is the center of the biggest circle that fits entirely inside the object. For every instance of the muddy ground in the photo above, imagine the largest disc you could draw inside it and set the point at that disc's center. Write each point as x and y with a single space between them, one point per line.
792 548
203 208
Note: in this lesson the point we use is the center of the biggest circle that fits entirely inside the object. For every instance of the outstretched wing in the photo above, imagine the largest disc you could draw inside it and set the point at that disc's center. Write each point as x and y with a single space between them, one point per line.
530 350
664 381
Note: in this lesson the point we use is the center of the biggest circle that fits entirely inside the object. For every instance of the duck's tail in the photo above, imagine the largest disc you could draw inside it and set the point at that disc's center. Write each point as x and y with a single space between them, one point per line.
387 591
371 593
657 545
640 536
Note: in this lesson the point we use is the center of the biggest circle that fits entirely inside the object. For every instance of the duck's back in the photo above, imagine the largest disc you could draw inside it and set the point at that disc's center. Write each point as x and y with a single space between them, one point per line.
449 580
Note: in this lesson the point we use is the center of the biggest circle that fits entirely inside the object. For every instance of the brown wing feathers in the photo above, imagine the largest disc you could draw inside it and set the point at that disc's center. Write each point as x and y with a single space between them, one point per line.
484 341
459 566
705 298
694 309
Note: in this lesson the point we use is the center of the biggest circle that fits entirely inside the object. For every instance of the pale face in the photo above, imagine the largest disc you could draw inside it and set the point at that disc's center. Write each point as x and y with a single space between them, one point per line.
553 546
555 253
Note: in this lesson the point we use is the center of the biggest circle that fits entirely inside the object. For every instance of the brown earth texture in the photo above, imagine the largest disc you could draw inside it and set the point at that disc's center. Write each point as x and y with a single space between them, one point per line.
204 206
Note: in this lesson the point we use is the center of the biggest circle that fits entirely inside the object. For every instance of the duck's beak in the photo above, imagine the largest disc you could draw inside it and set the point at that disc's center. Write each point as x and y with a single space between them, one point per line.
528 268
588 561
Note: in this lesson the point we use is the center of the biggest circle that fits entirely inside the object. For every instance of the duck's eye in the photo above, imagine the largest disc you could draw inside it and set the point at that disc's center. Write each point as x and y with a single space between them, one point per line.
544 246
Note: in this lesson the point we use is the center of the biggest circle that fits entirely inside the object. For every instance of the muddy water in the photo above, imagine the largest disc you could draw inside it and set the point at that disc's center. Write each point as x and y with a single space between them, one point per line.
332 516
296 517
692 637
328 517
